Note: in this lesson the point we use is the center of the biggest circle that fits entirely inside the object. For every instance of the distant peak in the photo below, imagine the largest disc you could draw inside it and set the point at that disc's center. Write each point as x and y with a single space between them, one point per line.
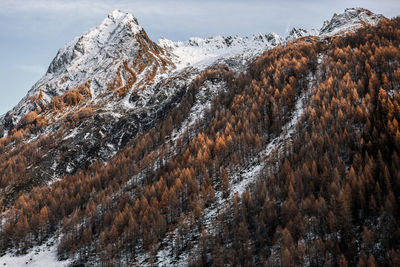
350 20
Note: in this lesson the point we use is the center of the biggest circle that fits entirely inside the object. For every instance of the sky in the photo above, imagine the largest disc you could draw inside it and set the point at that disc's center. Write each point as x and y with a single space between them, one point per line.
32 31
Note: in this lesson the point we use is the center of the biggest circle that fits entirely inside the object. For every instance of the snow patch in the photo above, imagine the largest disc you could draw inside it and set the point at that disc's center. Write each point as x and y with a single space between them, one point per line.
72 134
39 256
201 52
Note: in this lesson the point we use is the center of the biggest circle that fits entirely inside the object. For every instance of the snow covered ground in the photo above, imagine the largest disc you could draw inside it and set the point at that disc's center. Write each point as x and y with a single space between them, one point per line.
203 102
243 179
203 52
40 256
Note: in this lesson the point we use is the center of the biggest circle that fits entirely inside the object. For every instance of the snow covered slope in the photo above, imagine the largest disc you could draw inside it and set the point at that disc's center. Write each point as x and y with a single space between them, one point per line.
39 256
299 32
349 21
204 51
122 73
95 56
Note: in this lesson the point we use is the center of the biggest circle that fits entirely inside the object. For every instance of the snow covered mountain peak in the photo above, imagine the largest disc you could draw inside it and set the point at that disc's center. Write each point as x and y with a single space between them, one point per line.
351 20
348 21
113 29
118 48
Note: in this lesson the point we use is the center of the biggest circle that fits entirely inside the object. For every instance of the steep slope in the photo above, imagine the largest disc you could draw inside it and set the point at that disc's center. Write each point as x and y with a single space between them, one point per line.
315 202
118 49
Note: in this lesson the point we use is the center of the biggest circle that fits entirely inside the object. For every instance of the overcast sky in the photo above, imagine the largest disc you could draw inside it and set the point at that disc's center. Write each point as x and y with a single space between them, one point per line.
31 31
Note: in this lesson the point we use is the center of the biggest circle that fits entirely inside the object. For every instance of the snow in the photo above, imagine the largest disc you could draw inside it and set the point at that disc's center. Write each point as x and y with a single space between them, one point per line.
72 134
349 21
247 177
97 54
201 52
203 101
69 168
40 256
243 179
94 56
299 32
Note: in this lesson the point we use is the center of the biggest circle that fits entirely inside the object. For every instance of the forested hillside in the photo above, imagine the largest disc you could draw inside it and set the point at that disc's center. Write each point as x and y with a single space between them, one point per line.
334 198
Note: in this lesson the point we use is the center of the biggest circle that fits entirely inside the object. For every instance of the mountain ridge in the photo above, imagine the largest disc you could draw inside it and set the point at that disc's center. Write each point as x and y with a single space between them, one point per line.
77 61
86 83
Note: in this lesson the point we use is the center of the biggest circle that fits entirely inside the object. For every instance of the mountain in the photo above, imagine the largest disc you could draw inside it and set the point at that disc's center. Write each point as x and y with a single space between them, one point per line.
351 20
119 38
217 151
114 73
98 57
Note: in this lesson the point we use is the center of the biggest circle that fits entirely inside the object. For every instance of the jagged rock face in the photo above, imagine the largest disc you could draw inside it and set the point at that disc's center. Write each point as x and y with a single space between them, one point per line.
296 33
350 20
97 56
117 28
299 32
